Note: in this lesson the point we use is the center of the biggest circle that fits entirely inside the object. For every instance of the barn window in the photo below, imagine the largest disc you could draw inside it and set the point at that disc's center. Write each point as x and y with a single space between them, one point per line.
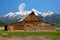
42 27
35 25
19 25
28 25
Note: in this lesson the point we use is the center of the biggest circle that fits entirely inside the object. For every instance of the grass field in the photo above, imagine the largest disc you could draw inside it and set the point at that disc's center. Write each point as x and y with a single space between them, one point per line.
7 34
53 35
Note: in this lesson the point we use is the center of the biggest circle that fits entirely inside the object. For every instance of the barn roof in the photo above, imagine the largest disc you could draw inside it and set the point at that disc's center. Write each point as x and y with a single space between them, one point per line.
27 15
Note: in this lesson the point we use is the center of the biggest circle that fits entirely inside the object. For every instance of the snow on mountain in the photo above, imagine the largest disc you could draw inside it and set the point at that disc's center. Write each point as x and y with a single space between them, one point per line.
44 14
9 14
36 12
49 13
14 17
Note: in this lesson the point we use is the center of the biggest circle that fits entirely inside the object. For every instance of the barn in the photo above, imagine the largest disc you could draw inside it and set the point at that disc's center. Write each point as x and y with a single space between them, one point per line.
31 23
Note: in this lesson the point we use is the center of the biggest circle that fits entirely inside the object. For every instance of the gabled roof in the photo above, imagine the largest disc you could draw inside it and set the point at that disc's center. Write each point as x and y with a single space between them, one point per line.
32 13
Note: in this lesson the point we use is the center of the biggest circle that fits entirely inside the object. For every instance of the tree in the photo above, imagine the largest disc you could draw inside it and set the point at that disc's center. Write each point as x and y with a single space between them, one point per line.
1 23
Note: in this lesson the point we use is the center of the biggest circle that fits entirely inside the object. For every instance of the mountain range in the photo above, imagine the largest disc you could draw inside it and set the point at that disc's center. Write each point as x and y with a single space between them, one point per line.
48 16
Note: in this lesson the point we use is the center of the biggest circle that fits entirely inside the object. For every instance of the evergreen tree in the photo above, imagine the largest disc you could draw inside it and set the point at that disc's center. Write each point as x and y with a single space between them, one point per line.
1 23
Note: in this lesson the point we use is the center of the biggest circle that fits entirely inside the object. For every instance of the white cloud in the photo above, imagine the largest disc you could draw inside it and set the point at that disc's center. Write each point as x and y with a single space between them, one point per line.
21 7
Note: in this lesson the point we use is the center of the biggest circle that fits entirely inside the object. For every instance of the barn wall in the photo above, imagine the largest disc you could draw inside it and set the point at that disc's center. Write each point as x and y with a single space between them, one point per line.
10 27
31 26
37 26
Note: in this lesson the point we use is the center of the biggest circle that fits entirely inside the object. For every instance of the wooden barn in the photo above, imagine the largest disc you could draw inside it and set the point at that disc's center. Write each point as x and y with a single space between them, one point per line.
31 23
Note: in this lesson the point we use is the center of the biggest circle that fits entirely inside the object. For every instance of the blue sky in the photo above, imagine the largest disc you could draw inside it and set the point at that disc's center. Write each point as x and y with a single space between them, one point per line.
40 5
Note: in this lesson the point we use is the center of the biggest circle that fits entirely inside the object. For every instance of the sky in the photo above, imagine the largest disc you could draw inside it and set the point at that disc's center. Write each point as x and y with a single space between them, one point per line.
7 6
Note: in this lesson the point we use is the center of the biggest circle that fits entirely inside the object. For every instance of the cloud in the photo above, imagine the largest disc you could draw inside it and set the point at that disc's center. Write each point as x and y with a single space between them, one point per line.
21 7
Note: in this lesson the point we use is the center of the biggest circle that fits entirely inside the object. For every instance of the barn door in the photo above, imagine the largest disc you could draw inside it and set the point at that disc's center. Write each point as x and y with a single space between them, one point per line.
36 27
5 28
28 27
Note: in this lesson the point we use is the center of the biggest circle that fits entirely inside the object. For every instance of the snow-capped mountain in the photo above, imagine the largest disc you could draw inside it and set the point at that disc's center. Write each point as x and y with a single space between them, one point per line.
48 16
9 14
13 17
49 13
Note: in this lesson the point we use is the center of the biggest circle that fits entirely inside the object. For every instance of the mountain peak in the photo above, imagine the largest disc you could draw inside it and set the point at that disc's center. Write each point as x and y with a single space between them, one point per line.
48 13
9 14
34 9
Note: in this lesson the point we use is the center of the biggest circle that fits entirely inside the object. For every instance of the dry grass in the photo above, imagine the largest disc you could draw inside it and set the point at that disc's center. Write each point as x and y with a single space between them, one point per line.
30 38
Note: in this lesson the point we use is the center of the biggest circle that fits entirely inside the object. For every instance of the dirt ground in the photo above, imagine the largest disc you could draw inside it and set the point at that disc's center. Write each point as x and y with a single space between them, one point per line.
29 38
